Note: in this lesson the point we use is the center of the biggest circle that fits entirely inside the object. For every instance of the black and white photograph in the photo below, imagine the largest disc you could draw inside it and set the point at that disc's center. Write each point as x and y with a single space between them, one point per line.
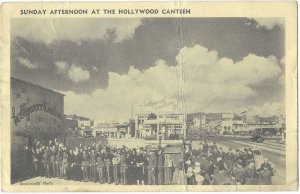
148 101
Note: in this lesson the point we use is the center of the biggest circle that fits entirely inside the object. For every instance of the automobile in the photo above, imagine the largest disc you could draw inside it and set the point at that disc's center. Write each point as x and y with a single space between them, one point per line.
259 138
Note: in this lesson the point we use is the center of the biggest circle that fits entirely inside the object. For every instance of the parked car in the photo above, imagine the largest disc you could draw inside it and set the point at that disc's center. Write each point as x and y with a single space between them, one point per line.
259 138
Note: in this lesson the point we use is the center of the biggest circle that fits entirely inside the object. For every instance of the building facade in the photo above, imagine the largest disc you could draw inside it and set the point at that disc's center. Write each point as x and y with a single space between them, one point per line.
163 117
36 113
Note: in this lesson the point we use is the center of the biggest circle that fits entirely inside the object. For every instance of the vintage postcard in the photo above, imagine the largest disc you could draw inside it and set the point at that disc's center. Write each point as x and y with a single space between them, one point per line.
149 96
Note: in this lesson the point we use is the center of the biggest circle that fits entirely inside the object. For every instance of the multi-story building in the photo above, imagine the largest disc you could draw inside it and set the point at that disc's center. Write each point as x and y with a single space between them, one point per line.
162 117
227 123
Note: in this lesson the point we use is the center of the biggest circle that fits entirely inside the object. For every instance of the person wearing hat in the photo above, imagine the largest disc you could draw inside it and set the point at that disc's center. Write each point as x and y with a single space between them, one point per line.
152 161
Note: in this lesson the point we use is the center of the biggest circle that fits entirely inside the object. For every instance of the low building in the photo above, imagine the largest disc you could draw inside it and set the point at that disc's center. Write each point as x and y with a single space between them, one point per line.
113 129
36 113
84 125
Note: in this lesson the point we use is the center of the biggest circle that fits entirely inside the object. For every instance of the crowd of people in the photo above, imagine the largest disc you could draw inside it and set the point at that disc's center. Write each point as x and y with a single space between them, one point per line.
211 165
102 164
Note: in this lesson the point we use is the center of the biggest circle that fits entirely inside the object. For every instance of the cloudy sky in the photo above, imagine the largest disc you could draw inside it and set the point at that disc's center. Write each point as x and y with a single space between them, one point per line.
103 66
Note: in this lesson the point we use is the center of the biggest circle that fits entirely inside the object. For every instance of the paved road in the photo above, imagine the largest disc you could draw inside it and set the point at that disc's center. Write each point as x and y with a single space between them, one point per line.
272 150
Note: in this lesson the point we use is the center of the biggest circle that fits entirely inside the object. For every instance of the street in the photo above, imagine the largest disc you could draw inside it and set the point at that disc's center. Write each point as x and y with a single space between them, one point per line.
272 150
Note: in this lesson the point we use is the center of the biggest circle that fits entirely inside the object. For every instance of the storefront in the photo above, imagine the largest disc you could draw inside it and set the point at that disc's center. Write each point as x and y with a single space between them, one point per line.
36 113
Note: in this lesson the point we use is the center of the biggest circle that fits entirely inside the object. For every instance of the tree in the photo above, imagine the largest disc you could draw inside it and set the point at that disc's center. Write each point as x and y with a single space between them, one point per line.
152 116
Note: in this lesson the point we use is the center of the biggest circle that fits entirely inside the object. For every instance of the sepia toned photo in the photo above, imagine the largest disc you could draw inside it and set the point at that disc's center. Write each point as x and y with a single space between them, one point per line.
141 101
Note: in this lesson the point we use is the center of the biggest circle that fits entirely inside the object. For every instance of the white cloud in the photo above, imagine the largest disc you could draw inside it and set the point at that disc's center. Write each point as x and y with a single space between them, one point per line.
199 75
77 74
61 66
269 23
26 63
73 29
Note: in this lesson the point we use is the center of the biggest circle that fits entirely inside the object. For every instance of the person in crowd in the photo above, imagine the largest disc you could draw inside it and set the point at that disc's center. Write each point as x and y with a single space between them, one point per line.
59 158
77 172
209 165
100 166
53 161
116 160
84 165
35 156
93 167
251 174
139 172
65 164
152 161
107 162
205 148
46 161
132 160
123 168
160 168
265 174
